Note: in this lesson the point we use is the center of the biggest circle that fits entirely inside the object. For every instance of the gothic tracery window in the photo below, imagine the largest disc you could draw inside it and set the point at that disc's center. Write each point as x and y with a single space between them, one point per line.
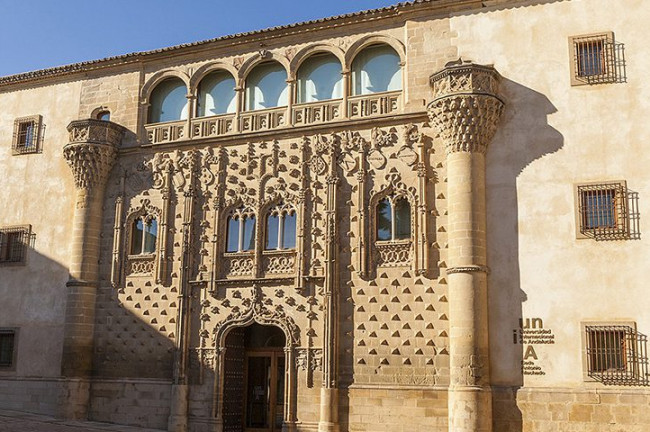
144 233
281 228
393 219
241 230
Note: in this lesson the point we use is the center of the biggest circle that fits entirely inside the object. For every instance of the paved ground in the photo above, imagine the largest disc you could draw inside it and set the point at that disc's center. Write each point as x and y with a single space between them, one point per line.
16 421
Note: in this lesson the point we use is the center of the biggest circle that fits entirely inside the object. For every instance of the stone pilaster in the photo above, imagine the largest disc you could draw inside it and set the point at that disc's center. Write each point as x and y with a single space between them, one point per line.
466 111
91 153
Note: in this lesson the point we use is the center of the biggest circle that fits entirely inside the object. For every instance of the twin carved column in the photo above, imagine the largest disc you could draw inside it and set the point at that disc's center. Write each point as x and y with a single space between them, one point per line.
91 153
466 110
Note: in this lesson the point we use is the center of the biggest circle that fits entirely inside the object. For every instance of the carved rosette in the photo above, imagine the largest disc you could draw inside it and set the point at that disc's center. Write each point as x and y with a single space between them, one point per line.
92 151
466 108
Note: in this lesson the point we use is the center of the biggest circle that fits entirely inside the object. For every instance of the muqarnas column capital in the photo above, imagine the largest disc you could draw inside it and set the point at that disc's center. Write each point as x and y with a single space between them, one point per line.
466 107
92 151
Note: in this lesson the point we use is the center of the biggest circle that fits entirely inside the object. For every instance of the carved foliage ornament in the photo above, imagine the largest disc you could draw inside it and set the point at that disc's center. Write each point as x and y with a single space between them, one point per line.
466 108
255 309
90 163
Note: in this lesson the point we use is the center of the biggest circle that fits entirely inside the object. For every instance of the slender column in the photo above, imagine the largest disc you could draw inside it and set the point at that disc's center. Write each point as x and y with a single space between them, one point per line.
466 111
329 392
91 153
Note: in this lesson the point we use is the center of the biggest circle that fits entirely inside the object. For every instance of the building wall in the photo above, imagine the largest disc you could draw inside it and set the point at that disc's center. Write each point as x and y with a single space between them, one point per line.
393 330
34 192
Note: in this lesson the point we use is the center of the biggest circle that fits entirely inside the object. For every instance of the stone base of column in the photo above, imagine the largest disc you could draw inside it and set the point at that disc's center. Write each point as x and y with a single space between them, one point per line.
329 410
74 400
178 416
470 409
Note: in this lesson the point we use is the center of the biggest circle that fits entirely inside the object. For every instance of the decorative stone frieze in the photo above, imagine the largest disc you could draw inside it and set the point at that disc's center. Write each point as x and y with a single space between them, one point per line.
466 108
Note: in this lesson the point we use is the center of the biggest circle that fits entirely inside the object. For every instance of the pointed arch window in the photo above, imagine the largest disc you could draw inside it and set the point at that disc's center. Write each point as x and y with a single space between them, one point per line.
376 69
241 230
144 233
281 228
393 219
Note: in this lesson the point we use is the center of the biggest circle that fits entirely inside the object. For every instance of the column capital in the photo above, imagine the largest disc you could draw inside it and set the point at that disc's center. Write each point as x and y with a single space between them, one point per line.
466 107
92 151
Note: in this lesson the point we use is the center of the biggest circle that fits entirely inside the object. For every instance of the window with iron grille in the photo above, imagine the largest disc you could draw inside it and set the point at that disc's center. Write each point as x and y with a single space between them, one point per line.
616 355
27 135
13 244
602 211
7 348
597 59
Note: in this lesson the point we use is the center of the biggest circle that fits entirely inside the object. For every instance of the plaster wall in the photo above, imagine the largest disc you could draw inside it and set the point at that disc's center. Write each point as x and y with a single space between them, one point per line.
552 137
37 190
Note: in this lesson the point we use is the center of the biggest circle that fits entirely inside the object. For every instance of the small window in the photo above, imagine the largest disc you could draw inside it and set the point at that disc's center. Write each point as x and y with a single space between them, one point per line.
616 354
27 135
596 59
217 94
168 101
376 69
602 211
281 228
7 348
319 79
241 231
144 235
13 244
393 219
104 115
266 87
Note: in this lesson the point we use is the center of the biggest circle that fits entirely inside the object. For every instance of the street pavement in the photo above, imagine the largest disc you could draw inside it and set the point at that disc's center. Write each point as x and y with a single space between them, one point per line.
16 421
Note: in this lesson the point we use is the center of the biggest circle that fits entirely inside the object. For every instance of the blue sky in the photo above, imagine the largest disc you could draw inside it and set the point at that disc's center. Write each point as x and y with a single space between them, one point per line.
38 34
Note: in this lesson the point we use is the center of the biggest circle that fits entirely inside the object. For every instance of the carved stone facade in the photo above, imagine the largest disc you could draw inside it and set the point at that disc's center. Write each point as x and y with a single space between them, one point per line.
352 263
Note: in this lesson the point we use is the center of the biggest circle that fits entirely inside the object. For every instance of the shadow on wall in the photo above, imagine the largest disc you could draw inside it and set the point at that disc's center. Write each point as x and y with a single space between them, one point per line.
33 303
523 137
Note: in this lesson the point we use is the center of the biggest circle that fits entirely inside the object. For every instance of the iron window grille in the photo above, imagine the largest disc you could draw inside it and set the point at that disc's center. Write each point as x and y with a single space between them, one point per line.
617 355
13 244
597 59
27 135
602 211
7 344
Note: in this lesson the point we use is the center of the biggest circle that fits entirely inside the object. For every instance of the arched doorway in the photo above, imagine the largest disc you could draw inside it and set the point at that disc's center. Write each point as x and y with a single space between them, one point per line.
254 379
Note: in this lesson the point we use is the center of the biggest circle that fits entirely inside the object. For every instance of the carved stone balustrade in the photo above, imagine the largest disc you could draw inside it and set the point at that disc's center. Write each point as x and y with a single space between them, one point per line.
374 104
280 262
316 112
394 253
214 126
272 118
167 132
238 264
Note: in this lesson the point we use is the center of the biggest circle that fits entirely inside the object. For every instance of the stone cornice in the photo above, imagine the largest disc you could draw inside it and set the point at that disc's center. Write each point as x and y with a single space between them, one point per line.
399 9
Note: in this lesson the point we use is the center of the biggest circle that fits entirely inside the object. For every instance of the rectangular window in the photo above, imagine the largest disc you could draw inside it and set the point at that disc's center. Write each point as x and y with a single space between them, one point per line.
616 354
7 344
597 59
27 135
602 210
13 244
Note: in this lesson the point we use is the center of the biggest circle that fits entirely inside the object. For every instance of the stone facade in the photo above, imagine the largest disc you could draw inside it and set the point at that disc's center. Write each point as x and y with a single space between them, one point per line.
441 273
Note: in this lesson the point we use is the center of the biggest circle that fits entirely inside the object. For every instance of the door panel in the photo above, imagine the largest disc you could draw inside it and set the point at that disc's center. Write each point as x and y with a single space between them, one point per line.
264 410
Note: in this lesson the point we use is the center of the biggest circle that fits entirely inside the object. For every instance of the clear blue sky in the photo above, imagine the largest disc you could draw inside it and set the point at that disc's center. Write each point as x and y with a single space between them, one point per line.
38 34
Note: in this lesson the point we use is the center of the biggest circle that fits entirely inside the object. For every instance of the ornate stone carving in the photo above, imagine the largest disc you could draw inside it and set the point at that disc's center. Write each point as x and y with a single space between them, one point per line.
394 254
466 108
255 309
92 151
